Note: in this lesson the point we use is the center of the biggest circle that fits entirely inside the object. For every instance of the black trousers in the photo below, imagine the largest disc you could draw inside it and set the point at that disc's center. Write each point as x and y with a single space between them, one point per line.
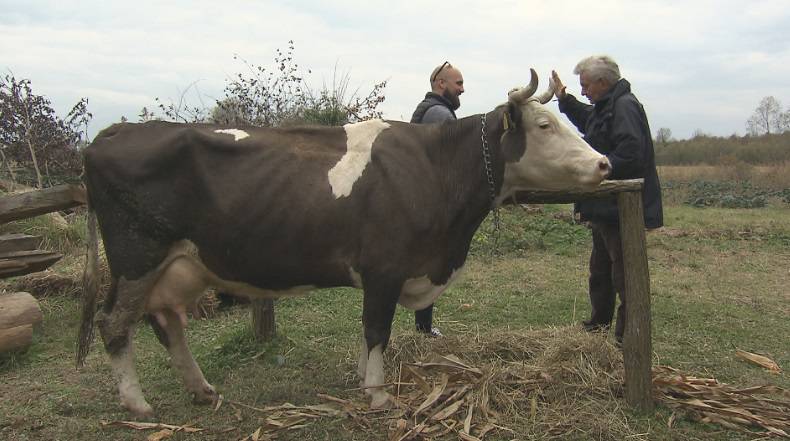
607 277
424 319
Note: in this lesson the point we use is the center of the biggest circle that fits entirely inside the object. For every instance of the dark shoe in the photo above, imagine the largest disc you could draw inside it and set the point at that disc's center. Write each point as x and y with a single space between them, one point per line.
595 327
433 332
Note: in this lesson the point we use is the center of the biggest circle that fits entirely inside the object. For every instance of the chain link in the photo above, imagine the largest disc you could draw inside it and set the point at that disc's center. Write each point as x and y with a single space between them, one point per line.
490 175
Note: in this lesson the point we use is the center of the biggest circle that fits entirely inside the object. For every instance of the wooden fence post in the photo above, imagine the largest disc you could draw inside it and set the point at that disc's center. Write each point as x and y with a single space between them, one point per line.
263 324
637 346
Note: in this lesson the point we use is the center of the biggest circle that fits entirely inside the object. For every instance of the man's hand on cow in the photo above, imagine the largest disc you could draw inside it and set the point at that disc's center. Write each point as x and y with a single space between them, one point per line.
556 85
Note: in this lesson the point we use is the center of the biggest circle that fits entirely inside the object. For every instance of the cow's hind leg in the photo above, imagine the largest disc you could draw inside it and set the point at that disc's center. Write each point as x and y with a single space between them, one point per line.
179 286
380 300
171 335
123 308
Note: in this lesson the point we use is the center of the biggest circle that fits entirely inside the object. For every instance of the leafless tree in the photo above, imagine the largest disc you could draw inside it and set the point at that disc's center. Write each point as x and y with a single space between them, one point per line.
663 136
767 118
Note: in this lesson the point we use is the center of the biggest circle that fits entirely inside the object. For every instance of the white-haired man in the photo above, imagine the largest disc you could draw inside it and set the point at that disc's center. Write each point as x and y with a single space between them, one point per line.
615 124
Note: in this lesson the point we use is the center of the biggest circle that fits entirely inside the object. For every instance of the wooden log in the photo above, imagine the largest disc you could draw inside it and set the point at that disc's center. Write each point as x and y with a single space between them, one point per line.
18 263
17 337
37 202
263 324
18 309
18 242
606 189
637 346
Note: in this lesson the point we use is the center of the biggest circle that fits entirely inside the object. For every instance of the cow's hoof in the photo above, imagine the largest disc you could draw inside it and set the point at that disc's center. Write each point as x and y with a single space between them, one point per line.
207 395
141 411
381 400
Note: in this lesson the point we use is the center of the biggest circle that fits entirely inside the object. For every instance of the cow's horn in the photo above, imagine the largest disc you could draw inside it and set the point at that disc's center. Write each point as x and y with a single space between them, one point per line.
521 95
546 96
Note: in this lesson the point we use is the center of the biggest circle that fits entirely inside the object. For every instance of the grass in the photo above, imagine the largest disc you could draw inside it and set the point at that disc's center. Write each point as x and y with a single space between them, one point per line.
718 282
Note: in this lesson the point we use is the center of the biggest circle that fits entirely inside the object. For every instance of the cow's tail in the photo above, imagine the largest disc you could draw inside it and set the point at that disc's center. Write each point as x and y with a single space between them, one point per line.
90 289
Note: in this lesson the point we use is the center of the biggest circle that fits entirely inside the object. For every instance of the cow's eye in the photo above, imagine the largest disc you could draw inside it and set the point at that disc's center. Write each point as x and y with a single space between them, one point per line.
544 125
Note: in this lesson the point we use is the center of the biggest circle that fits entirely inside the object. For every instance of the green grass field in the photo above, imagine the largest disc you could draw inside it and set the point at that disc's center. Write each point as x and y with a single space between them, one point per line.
718 281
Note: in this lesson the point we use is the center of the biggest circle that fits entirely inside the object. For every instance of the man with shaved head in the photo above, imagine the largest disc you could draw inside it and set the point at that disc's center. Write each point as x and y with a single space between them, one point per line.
614 124
439 105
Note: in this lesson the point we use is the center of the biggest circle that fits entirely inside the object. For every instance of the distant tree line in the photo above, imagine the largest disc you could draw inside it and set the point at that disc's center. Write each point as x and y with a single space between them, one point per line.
767 141
713 150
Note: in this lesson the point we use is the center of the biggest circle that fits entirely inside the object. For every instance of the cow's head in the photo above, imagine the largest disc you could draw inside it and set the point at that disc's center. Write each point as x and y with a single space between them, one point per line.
540 151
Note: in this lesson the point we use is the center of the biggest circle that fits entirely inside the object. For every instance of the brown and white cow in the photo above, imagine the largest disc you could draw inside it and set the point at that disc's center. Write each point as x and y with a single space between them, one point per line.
385 206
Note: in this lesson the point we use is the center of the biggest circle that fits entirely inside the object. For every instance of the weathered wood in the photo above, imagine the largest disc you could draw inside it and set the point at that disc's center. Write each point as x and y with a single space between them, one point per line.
606 189
18 263
18 242
637 343
16 338
37 202
17 309
263 324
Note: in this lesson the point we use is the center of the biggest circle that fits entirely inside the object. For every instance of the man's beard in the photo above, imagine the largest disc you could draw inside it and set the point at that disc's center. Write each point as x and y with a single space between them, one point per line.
455 102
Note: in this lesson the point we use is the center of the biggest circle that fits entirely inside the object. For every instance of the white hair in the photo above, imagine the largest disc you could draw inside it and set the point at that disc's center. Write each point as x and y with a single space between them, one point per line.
599 67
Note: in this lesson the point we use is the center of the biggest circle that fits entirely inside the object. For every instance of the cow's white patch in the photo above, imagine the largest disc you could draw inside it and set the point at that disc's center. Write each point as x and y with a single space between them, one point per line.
419 292
128 383
374 376
359 143
237 134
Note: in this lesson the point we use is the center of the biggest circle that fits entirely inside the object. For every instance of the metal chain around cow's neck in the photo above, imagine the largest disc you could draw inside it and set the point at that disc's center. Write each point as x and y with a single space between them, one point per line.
489 174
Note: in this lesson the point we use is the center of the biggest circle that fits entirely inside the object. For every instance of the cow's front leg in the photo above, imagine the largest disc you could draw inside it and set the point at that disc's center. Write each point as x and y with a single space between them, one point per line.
380 299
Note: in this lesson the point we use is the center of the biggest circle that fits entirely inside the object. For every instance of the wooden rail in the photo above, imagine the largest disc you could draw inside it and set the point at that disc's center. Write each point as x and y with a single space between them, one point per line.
33 203
637 341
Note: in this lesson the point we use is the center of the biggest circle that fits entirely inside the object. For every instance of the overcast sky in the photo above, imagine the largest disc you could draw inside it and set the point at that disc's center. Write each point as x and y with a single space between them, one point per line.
695 65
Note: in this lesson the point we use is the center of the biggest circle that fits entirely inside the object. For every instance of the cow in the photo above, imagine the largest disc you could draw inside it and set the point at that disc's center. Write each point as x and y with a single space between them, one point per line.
385 206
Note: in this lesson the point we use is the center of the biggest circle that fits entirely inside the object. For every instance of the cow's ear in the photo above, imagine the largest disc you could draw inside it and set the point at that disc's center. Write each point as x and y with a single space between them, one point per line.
514 138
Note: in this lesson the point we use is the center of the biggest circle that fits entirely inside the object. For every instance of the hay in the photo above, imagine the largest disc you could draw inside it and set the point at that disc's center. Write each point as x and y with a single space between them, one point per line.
556 383
48 283
709 401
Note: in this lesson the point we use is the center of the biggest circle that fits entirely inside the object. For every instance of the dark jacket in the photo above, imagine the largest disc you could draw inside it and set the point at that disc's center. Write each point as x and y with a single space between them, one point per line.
617 127
443 113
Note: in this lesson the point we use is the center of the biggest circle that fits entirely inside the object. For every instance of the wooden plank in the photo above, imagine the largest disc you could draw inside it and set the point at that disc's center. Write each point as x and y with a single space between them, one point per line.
18 263
16 338
18 242
637 343
37 202
606 189
17 309
263 323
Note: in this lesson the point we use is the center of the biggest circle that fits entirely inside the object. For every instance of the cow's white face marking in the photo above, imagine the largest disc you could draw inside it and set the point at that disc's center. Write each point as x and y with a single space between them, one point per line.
419 292
557 158
359 143
237 134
